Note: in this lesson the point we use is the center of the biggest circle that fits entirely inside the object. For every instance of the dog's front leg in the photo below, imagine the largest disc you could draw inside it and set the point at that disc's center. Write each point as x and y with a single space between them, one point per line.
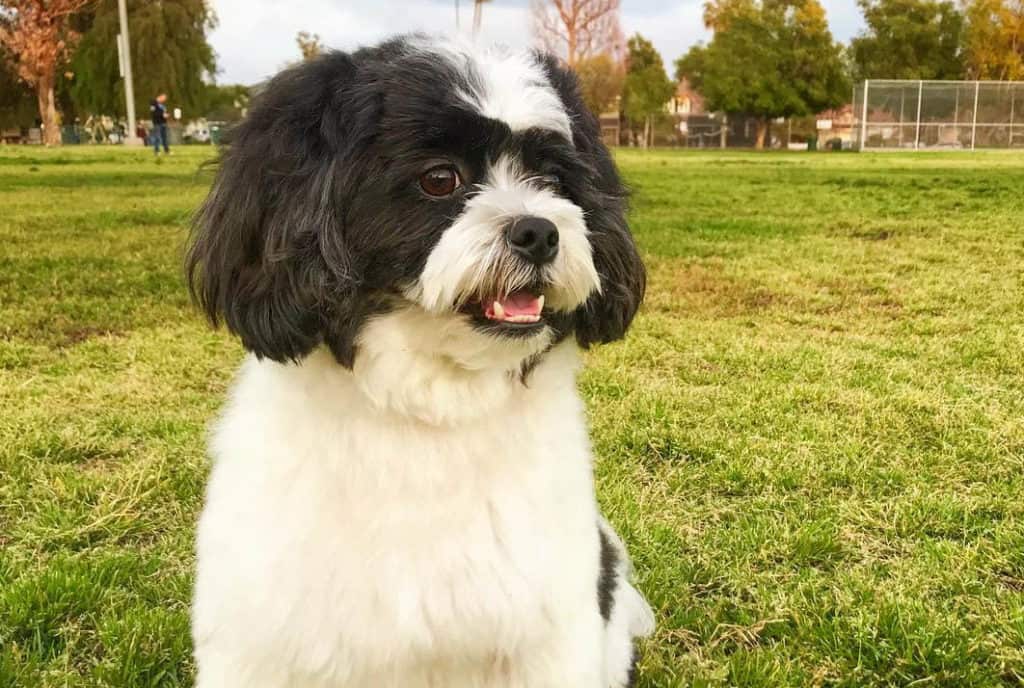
578 657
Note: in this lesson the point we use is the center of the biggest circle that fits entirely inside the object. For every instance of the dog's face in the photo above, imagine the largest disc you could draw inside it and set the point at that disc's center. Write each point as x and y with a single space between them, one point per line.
471 187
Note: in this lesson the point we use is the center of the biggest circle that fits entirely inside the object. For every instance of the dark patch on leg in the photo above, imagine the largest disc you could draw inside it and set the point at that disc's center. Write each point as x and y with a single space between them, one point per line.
607 580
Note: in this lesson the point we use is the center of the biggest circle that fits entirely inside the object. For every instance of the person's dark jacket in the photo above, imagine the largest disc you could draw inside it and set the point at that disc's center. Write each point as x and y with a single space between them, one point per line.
158 111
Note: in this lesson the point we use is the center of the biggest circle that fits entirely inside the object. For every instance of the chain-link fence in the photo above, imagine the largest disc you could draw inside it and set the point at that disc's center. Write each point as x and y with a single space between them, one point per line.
930 115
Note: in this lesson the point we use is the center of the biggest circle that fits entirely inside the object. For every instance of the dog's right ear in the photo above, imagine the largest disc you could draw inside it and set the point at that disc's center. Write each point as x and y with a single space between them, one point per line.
267 254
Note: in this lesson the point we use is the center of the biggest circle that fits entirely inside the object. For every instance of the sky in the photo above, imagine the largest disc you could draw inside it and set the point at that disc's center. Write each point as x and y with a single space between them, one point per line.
256 38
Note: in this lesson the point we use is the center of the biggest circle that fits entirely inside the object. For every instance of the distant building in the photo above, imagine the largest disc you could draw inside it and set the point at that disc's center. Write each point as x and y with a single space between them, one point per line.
611 128
686 101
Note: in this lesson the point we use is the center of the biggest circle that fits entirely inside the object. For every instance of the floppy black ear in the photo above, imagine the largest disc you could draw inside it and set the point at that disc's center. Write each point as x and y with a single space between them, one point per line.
605 316
267 253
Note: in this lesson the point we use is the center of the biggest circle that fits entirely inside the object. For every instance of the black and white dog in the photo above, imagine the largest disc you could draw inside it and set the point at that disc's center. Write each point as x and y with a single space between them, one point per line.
413 240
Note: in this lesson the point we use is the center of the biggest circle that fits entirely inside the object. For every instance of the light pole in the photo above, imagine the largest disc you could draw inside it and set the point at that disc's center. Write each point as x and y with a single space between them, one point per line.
129 90
478 11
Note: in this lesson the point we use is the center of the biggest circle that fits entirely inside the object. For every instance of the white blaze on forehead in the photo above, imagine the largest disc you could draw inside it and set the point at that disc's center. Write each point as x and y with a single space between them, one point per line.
509 86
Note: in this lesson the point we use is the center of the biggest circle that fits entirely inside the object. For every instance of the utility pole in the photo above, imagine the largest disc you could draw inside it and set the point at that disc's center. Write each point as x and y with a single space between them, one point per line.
458 24
129 89
478 11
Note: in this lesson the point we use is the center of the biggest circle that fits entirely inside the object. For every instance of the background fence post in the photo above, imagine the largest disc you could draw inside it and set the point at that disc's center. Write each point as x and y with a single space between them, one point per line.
917 126
864 118
1013 101
974 123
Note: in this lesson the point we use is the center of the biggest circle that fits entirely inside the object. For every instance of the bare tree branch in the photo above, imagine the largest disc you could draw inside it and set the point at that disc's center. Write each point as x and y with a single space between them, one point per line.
578 29
39 38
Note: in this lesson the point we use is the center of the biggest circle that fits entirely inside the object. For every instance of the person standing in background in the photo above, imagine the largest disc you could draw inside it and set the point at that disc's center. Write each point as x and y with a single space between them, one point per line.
158 110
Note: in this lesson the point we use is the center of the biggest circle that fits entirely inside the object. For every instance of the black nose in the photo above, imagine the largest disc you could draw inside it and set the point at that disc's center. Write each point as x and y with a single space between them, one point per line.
534 239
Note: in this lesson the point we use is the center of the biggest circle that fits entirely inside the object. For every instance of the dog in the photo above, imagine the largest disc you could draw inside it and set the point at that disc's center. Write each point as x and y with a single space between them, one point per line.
413 241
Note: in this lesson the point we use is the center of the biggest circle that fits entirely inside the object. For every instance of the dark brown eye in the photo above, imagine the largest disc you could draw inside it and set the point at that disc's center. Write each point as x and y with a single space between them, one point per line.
440 181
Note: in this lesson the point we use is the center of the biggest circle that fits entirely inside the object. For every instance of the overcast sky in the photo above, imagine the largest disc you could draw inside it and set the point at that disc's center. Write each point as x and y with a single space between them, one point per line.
255 38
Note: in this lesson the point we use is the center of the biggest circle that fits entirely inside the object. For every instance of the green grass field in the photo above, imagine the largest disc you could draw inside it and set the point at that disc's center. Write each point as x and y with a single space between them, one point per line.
813 439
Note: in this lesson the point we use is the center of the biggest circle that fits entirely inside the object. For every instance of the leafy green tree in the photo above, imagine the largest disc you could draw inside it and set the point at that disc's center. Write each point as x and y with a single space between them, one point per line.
994 45
769 59
647 87
227 103
601 81
170 54
909 39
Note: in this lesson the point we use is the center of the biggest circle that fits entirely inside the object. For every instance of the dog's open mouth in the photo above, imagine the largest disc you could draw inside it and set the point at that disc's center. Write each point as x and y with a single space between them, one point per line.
520 307
518 313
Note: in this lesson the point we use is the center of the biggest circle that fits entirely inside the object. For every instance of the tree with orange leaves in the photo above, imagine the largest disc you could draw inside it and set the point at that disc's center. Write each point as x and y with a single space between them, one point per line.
995 39
578 29
38 35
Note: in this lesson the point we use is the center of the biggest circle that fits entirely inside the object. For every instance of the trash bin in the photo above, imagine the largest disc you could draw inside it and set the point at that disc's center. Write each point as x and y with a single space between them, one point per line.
812 143
70 134
216 133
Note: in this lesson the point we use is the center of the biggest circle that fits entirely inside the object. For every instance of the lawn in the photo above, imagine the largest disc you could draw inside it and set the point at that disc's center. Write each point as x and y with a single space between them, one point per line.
813 439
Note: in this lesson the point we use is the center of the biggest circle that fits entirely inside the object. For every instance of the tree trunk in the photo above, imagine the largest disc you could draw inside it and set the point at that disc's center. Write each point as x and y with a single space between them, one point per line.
762 132
48 111
647 131
724 131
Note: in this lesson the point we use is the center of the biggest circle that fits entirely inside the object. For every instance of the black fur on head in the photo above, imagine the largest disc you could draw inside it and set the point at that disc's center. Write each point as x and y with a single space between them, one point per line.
315 221
605 317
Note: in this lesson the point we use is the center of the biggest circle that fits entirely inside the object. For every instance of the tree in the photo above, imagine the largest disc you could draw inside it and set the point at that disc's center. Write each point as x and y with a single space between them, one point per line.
994 41
170 54
577 29
909 39
769 59
38 35
601 81
647 87
309 45
227 103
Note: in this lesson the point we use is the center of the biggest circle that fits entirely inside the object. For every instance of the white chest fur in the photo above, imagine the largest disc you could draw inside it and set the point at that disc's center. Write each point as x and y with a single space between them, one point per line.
344 544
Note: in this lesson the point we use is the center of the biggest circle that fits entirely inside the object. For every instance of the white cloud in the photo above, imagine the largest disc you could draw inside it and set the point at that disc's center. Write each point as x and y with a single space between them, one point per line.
255 38
672 29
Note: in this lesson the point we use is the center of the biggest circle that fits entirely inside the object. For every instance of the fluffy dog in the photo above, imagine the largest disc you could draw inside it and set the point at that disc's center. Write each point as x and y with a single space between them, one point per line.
413 241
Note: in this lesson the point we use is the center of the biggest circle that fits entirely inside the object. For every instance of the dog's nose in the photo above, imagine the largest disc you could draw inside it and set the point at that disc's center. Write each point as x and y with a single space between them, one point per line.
534 239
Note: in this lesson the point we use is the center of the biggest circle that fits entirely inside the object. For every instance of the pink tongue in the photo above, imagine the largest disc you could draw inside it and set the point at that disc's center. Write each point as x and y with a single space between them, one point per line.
520 303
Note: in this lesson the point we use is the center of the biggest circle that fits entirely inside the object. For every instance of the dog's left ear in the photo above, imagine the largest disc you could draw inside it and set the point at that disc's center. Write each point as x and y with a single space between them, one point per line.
605 316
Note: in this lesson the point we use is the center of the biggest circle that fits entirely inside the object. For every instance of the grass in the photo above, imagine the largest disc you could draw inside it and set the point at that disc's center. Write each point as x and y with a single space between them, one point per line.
813 439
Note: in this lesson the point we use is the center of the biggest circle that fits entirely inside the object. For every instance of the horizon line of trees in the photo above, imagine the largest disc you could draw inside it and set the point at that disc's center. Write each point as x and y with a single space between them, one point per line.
766 58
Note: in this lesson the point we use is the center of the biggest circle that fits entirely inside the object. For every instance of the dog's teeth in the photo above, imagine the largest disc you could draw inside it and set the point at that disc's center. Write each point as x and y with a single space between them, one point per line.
499 311
540 302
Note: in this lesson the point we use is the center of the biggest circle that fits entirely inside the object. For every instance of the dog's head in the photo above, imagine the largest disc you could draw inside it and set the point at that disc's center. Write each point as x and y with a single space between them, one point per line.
471 187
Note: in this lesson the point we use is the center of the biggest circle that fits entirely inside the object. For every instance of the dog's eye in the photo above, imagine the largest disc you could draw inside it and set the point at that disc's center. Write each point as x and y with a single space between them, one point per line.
440 181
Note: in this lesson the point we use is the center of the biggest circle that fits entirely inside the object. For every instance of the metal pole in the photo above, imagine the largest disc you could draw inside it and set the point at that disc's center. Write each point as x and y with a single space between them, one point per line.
478 10
917 127
129 89
864 118
903 107
1013 101
974 124
457 22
